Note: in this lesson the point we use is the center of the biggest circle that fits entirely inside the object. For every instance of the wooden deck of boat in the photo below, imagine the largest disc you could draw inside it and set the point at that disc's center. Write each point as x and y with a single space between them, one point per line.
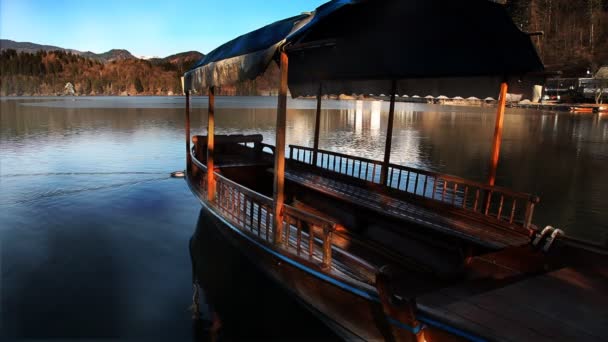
568 304
470 229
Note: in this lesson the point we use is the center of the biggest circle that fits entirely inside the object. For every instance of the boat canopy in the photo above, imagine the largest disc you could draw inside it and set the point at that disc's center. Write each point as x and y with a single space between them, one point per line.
435 47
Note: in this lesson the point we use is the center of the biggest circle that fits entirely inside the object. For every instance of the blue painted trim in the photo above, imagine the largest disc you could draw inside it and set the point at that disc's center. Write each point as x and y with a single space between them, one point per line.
414 330
317 274
450 329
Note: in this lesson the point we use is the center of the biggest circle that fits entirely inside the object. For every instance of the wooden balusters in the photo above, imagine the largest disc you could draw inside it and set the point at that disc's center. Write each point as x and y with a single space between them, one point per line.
513 210
389 135
530 211
502 200
311 241
317 126
268 224
399 180
299 237
326 248
367 169
488 202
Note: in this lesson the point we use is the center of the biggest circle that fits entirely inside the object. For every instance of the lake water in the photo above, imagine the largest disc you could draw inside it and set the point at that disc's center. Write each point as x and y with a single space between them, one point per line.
94 233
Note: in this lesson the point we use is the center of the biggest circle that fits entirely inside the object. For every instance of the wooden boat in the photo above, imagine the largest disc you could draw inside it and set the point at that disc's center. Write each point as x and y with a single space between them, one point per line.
588 108
580 109
382 251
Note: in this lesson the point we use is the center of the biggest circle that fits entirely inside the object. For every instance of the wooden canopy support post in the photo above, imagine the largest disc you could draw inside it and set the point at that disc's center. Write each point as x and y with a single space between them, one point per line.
389 136
317 126
500 115
279 152
187 128
210 145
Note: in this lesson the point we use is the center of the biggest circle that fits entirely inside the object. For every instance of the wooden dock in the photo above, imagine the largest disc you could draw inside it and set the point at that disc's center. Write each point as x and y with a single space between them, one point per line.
569 304
564 107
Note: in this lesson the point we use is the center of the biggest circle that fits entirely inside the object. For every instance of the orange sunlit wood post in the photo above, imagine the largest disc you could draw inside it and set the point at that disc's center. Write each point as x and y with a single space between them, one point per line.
279 152
188 130
210 145
389 136
317 126
500 115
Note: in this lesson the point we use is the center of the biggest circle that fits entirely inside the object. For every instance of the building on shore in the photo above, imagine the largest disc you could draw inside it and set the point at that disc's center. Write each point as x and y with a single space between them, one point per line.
579 89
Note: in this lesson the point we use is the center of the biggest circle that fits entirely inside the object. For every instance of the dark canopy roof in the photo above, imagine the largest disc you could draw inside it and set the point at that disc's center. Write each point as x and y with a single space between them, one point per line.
242 58
432 47
260 39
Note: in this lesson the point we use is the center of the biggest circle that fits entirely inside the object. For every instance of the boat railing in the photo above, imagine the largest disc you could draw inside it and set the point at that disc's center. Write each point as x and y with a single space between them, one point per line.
313 226
498 203
259 146
353 166
304 236
197 172
267 146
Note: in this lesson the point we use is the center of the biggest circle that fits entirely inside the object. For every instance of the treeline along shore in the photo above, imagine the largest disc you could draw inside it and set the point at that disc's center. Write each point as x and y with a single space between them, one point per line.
44 73
574 41
48 72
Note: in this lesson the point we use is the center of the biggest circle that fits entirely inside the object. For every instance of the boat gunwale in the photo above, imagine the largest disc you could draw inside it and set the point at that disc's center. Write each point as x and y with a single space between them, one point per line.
342 283
354 283
491 222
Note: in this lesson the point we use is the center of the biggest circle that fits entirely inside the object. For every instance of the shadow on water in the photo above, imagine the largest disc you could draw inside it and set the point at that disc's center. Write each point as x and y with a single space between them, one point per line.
69 292
249 305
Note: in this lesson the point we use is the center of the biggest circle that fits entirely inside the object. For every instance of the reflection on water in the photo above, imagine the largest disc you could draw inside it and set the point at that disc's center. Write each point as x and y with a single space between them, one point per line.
236 293
84 186
561 157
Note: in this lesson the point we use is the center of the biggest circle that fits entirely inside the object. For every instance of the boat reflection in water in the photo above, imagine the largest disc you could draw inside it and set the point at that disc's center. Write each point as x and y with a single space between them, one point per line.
238 302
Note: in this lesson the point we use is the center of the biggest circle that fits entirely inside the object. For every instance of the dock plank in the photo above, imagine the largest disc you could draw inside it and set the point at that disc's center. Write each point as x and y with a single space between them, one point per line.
564 305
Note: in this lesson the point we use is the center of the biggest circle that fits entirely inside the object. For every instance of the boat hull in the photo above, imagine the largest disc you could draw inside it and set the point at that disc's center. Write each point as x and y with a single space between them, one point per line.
351 315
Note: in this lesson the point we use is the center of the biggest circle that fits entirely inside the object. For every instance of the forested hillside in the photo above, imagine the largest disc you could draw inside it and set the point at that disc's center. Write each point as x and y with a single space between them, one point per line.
47 73
575 32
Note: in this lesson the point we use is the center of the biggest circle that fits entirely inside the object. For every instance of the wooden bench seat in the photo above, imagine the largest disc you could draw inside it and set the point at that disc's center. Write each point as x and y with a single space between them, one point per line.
471 230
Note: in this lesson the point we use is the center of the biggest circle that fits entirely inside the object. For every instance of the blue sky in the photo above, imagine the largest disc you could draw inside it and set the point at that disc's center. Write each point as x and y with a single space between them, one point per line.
144 27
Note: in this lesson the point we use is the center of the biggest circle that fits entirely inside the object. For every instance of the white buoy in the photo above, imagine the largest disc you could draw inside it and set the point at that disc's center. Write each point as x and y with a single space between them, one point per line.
178 174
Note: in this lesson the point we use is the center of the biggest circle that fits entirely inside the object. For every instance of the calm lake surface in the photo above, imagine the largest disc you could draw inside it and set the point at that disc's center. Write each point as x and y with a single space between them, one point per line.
94 234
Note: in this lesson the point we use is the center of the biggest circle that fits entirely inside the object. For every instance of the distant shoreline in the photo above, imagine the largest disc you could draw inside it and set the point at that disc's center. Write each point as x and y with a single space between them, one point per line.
421 100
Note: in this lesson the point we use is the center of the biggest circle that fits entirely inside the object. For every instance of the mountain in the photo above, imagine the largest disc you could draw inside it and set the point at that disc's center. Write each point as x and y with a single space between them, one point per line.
36 69
112 55
109 56
182 57
29 47
49 72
